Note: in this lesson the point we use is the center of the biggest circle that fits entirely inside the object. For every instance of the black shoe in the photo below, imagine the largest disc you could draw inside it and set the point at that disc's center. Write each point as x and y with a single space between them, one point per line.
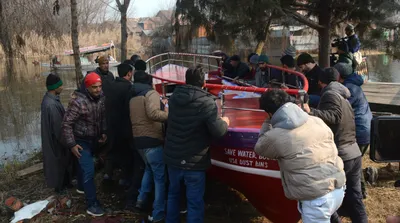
364 194
95 211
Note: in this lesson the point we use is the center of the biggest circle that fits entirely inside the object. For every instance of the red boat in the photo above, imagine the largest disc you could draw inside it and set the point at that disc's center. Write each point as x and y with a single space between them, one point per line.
234 161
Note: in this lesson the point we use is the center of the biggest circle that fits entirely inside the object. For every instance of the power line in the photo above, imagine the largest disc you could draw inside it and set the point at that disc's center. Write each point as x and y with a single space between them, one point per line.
109 5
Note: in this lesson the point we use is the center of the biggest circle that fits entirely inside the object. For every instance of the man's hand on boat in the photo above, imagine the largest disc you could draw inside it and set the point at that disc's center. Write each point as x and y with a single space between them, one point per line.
306 107
75 150
226 119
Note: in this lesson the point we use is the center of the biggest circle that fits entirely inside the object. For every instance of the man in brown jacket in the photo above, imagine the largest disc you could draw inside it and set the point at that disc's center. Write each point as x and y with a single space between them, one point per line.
311 170
148 115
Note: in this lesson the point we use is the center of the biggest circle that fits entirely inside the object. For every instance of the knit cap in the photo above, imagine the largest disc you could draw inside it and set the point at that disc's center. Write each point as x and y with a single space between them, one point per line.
91 79
53 82
291 51
344 69
263 58
102 59
254 59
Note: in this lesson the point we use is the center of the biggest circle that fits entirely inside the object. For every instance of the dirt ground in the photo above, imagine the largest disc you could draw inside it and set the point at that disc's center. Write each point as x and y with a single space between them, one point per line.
223 204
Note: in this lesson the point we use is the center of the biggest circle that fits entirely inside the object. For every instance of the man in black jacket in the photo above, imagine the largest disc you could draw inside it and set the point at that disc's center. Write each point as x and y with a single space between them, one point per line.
312 71
337 113
238 69
119 124
192 123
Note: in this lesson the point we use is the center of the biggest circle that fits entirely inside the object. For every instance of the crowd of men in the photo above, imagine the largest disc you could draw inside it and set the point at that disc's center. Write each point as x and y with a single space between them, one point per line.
127 122
319 144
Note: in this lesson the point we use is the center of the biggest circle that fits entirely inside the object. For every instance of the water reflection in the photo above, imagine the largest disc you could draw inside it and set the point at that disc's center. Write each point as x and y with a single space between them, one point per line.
383 68
21 93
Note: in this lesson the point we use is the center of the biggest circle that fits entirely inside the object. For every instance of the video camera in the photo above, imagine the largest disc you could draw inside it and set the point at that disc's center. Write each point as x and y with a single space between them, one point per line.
336 42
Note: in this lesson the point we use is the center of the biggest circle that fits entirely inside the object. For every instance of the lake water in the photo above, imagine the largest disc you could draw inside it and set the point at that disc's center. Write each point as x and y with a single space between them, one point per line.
21 93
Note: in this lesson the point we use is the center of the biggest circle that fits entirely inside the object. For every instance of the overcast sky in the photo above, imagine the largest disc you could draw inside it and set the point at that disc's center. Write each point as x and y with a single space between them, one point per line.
145 8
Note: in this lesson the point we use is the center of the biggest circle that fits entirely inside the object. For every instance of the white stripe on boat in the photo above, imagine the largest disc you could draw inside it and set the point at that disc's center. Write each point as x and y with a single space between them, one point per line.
249 170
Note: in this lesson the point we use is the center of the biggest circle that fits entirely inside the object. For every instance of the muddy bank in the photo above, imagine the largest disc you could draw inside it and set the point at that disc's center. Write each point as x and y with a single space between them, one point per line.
223 204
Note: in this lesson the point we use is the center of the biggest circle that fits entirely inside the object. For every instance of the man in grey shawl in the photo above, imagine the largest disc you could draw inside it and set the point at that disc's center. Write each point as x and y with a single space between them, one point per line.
56 158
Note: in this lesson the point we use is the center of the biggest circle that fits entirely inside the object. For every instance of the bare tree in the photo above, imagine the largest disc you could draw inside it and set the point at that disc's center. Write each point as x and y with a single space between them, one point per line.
89 11
123 8
75 41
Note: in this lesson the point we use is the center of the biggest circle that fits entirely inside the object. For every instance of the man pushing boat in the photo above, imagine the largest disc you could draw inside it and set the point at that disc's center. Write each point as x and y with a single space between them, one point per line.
311 170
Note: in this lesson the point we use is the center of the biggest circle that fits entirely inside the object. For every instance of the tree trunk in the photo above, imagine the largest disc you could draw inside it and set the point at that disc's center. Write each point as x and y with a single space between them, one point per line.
324 34
124 35
123 8
261 43
6 42
75 42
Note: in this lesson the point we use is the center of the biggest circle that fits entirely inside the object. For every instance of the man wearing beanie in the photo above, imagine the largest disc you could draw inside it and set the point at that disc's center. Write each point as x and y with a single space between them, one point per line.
312 71
362 111
337 113
253 65
83 129
148 114
288 80
262 76
103 69
56 159
140 65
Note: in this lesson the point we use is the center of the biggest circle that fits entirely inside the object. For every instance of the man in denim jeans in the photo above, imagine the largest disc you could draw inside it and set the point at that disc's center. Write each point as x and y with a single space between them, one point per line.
148 114
192 123
311 170
83 129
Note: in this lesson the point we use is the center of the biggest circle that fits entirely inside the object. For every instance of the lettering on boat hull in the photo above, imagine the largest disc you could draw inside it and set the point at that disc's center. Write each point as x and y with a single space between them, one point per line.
243 158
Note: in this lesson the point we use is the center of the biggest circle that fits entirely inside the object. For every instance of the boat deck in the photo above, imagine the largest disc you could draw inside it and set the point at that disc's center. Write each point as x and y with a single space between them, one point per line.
247 119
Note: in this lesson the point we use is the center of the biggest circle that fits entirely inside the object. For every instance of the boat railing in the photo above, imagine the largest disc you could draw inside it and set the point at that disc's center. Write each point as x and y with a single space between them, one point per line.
209 63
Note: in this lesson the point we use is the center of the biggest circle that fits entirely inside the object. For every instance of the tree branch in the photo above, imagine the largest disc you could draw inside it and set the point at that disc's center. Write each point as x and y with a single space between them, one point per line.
118 3
303 19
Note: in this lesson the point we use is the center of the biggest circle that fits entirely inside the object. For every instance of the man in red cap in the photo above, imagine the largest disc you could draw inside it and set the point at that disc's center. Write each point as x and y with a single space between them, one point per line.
83 129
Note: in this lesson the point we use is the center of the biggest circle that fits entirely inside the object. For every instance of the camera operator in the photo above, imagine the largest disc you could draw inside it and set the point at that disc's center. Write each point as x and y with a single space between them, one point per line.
352 39
354 43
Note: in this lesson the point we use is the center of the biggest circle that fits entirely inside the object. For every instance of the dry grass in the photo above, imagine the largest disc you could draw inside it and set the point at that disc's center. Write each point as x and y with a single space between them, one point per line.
372 52
37 46
383 199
